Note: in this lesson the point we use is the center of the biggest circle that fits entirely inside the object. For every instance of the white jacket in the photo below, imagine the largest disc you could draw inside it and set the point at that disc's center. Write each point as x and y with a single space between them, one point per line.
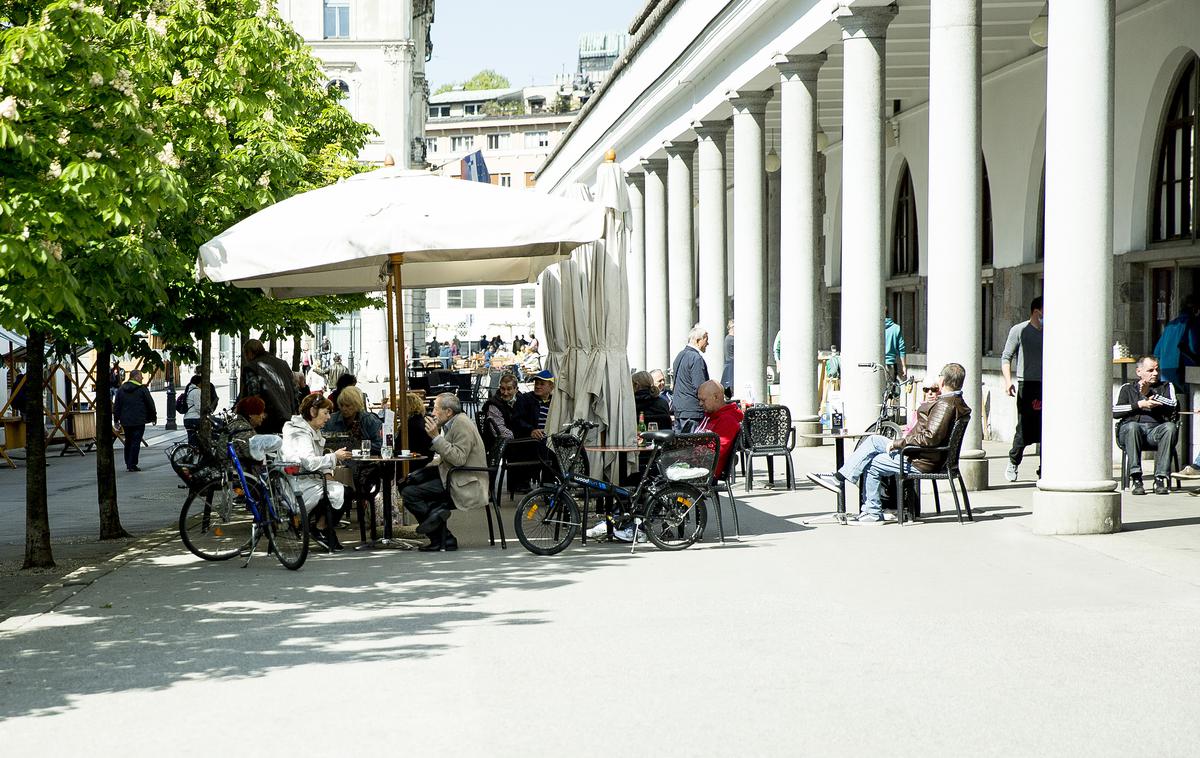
306 446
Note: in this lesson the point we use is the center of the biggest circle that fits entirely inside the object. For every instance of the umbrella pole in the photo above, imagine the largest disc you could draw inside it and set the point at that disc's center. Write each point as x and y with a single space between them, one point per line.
397 406
401 373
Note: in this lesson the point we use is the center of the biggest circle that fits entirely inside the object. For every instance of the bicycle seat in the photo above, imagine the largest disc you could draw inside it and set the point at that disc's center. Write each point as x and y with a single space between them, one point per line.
660 437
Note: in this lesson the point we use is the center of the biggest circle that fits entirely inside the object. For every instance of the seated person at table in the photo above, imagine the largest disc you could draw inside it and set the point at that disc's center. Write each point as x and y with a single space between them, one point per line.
419 441
500 410
249 445
428 495
532 408
721 418
353 419
1146 411
304 443
878 457
648 404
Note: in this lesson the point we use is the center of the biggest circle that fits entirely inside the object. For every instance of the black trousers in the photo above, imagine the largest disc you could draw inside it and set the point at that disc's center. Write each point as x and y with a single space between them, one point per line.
192 425
133 443
1029 420
424 493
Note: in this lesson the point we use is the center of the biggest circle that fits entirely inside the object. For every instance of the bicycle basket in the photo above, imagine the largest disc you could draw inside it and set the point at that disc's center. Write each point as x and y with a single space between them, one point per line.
566 455
688 458
192 466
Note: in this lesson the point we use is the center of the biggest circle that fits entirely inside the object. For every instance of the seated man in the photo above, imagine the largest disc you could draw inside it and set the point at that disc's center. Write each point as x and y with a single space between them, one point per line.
500 410
529 421
427 493
721 418
1147 410
878 457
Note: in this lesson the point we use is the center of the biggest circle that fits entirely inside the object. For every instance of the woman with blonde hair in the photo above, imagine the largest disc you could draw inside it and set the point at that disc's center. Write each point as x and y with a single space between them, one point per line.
419 441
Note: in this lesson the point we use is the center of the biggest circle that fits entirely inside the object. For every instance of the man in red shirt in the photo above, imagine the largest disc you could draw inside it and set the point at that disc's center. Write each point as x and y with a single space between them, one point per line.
721 418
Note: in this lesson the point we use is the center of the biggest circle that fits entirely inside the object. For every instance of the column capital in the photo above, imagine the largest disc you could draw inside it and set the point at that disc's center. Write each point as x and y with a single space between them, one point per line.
653 165
799 67
635 178
679 149
865 23
711 130
751 102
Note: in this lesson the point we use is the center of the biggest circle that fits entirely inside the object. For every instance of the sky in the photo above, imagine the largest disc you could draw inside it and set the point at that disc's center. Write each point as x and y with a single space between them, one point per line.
528 41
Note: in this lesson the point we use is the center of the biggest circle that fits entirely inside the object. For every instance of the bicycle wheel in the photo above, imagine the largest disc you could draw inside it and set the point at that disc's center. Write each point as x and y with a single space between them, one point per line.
675 516
214 523
288 529
546 521
888 429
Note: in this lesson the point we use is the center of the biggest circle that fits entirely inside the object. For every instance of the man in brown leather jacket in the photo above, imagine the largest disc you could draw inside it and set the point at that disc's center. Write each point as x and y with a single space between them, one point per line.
878 457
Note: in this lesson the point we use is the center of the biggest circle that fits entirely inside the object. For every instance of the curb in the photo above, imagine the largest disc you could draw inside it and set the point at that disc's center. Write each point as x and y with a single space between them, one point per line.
51 596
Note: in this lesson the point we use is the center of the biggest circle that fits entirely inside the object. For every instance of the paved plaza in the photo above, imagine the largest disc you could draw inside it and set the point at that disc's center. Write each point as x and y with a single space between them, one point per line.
930 639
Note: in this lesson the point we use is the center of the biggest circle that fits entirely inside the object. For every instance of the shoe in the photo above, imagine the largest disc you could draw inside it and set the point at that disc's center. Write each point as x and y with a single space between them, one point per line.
865 520
133 468
449 546
1160 485
432 547
598 531
626 534
315 535
332 539
1138 487
831 482
433 521
1189 472
1010 473
889 516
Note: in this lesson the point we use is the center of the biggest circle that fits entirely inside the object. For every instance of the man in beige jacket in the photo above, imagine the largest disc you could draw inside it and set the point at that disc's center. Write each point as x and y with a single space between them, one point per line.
429 493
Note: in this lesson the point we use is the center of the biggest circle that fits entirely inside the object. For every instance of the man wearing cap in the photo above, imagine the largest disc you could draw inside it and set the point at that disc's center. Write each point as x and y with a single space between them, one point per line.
532 408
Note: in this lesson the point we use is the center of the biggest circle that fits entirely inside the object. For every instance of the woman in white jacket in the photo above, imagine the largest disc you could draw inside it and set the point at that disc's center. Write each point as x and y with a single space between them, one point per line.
304 443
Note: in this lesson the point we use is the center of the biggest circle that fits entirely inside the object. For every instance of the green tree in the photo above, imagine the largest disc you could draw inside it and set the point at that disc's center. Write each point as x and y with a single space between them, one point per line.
485 79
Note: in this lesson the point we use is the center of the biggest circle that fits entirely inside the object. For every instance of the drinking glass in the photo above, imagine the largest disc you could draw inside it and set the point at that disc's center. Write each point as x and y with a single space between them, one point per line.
366 448
652 426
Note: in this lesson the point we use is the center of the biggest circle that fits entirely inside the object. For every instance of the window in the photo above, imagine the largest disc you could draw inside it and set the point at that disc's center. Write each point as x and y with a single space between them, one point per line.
1039 245
460 298
904 306
986 221
503 180
439 111
497 298
337 19
528 297
905 247
341 90
462 142
497 141
1175 182
529 180
987 309
431 145
472 109
537 139
433 298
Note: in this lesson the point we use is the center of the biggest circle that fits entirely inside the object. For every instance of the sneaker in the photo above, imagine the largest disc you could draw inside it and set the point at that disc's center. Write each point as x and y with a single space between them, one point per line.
889 516
867 520
1189 472
598 531
626 534
831 482
1138 487
1160 485
1010 473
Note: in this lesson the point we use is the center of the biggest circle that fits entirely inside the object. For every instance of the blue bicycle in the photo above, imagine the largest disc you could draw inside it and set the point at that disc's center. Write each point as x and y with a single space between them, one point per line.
227 517
665 506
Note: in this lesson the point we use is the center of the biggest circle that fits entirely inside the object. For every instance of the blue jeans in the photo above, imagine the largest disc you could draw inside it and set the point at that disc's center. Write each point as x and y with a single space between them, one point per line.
869 464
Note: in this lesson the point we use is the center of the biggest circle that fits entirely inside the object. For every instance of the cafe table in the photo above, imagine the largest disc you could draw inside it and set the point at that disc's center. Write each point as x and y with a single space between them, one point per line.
839 446
387 485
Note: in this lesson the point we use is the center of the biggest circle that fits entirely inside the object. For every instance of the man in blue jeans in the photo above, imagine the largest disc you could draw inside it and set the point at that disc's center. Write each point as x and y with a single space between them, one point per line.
878 457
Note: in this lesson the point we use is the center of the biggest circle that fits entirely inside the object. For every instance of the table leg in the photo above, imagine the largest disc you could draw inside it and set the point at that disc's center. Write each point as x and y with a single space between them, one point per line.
840 458
387 508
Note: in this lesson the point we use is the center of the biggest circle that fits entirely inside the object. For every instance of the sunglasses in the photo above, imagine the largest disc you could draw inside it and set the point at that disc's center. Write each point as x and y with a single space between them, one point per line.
930 390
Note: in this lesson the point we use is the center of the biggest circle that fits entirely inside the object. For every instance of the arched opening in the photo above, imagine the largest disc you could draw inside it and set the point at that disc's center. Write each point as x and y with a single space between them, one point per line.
1174 191
906 254
341 90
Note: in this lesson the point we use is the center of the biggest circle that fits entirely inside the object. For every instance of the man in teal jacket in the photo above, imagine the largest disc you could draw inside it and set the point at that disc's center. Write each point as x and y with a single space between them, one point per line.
894 349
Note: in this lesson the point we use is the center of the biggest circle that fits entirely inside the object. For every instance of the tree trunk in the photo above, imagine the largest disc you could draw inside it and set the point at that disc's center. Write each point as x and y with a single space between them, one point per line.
274 347
206 408
296 338
37 516
106 472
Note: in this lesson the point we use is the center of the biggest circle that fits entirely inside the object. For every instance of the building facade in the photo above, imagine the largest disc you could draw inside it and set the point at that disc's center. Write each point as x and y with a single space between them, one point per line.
945 161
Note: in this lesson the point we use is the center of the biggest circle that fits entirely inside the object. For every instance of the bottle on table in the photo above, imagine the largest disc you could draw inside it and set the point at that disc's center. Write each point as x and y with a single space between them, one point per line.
641 422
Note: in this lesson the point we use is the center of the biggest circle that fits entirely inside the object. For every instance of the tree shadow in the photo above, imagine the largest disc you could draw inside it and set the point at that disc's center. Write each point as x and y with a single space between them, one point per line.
196 620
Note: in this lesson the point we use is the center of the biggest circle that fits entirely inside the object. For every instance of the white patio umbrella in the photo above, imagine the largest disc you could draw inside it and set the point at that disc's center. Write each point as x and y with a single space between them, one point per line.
391 229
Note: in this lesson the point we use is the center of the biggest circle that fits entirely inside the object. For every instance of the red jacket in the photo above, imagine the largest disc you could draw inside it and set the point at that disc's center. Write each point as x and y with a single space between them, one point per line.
725 422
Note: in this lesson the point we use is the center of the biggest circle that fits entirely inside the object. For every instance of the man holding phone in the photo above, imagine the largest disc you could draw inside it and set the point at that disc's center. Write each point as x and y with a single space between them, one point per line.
1146 411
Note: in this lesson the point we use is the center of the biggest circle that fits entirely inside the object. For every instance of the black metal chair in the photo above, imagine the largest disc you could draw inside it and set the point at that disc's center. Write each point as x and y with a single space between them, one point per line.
948 471
767 432
699 452
1174 482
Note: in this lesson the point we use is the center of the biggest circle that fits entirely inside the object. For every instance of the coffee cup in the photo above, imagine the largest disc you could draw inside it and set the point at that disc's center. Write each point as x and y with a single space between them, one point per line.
404 453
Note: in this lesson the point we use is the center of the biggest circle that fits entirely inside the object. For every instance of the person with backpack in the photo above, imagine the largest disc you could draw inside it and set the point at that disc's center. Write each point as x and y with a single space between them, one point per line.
188 403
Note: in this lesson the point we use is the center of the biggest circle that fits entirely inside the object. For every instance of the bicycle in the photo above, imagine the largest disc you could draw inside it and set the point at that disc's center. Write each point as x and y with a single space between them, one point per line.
212 528
667 509
893 416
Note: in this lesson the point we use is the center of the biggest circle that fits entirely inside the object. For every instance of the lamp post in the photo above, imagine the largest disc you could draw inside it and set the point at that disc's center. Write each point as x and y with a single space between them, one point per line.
169 367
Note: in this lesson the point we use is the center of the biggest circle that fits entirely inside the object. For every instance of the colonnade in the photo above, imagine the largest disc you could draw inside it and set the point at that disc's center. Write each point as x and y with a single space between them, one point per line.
1076 492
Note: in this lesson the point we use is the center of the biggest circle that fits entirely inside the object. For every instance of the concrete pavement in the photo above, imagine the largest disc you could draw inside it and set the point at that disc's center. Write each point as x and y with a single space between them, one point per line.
931 639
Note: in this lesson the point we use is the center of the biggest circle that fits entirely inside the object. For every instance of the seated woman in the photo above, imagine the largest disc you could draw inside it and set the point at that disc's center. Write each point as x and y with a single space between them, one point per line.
250 446
353 418
648 404
419 441
304 443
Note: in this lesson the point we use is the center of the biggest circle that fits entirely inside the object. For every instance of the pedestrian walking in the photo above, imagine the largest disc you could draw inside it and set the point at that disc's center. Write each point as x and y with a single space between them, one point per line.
690 371
1024 346
134 410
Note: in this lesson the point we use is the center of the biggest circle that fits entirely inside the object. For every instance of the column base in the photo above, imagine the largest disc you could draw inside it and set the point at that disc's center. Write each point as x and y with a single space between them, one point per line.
1076 512
807 425
974 467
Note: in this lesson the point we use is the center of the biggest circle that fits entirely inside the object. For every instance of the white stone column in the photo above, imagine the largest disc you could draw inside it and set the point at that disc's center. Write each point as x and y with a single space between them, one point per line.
636 266
955 200
750 248
712 282
800 227
1076 494
771 273
681 269
863 259
658 349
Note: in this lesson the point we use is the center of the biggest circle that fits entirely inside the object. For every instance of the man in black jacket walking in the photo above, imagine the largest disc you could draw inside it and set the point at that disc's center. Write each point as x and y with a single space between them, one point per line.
270 378
134 409
689 371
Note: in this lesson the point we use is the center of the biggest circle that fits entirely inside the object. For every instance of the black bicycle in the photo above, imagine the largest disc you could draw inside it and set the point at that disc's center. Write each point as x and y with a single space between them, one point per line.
893 416
665 506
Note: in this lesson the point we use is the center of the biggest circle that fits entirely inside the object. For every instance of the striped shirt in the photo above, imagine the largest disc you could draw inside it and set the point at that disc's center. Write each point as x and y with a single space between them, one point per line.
1126 407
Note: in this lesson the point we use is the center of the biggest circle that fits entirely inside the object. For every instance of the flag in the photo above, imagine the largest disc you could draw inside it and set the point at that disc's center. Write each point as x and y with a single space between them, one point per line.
474 169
